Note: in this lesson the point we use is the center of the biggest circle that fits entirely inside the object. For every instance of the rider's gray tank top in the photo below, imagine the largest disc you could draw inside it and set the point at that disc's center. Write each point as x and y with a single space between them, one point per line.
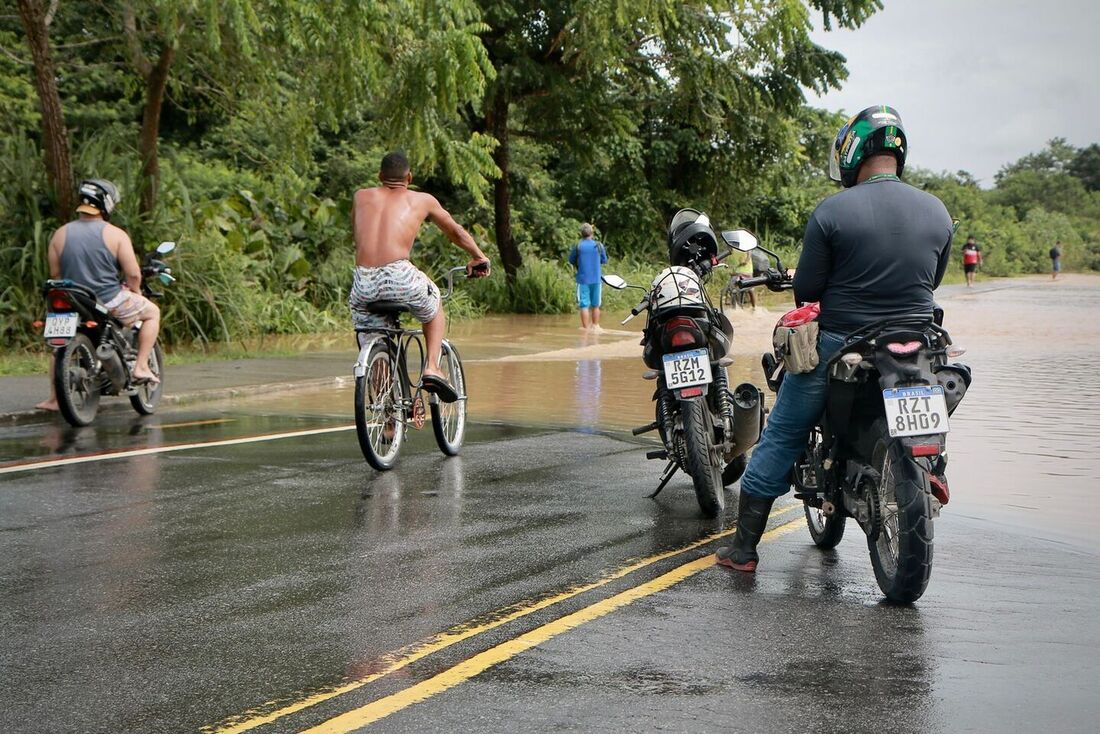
85 260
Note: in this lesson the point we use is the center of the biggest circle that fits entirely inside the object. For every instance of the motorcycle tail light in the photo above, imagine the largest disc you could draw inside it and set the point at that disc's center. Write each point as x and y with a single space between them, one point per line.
691 392
930 449
682 332
59 301
682 338
903 347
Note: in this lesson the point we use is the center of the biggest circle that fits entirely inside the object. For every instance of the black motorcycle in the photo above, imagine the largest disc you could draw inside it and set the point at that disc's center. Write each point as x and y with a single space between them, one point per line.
705 427
878 454
94 354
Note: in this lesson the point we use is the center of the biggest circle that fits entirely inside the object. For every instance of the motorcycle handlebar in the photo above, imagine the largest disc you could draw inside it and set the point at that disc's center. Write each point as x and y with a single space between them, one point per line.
774 281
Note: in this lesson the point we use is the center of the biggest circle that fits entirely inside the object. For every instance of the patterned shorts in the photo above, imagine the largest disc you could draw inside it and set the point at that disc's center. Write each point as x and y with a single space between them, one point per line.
128 306
397 281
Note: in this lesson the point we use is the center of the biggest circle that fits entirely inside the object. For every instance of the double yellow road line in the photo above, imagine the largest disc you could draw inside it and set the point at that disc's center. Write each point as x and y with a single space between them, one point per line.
383 707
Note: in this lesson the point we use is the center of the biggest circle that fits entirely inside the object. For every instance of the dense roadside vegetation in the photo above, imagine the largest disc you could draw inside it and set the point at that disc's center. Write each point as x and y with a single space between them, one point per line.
240 128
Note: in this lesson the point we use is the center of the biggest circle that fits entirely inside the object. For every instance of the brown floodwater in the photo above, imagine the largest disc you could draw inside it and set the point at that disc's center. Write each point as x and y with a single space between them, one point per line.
1023 444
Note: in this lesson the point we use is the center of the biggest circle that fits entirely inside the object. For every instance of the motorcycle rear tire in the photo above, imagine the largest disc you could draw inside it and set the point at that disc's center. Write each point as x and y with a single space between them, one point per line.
902 553
77 394
698 442
147 397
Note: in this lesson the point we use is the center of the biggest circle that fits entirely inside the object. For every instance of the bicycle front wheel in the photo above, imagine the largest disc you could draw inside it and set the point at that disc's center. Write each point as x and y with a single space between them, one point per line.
449 419
380 408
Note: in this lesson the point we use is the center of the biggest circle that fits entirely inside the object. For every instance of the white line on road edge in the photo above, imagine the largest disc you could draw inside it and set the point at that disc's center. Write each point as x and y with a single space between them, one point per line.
31 466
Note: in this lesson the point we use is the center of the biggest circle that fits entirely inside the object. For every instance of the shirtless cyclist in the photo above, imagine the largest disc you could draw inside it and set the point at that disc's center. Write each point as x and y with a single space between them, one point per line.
385 222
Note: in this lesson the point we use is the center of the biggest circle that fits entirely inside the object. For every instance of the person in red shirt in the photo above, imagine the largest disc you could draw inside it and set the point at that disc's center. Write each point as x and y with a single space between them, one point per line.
972 259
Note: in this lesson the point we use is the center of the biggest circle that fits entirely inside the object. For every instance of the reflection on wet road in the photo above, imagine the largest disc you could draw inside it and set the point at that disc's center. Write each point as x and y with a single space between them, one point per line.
281 585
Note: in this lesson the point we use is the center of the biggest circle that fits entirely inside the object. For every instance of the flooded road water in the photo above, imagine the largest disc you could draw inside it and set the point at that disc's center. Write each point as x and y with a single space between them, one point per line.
1023 446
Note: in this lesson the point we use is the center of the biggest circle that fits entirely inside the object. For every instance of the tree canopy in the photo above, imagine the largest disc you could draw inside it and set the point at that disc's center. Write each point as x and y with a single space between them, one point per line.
242 127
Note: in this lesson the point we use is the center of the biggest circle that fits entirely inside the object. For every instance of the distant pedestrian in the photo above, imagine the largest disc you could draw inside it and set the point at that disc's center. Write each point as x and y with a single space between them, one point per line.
744 269
1056 260
587 256
972 259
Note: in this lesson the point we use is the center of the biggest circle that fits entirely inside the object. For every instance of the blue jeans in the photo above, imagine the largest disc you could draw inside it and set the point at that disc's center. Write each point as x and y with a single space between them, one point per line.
799 405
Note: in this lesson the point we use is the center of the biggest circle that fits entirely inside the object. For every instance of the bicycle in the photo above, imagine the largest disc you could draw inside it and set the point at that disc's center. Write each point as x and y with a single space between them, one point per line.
386 398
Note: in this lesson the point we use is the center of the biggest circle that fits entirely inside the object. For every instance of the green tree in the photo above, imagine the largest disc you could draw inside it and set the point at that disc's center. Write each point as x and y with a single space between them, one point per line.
701 86
37 17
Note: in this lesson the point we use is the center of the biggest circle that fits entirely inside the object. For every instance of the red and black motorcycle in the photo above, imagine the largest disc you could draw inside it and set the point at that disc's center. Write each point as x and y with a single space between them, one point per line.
94 354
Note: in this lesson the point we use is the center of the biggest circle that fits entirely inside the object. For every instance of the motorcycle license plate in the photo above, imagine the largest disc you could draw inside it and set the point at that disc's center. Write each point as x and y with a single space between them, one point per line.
60 325
686 369
915 411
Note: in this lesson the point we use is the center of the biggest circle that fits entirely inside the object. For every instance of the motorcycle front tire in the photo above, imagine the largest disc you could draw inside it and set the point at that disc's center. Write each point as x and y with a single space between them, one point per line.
706 477
147 396
902 553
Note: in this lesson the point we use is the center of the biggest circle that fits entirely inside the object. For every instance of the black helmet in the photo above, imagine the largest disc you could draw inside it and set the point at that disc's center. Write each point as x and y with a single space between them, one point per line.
690 237
876 130
98 196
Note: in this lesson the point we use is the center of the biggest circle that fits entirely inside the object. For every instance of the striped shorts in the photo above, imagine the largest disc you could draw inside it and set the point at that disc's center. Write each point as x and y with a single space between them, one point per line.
397 281
128 307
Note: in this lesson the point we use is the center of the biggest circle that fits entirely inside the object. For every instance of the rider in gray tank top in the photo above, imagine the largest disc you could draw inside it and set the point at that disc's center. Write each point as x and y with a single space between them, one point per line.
87 261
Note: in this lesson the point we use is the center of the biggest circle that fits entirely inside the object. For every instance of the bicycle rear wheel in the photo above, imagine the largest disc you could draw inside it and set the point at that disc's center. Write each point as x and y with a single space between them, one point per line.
381 400
449 419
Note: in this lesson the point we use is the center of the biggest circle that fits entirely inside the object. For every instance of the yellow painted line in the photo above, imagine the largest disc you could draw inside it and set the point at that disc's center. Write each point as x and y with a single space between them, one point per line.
406 656
126 454
383 707
194 423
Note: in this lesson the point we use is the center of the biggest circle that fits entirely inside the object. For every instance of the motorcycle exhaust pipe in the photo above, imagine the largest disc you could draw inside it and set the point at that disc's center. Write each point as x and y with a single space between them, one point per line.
748 416
111 364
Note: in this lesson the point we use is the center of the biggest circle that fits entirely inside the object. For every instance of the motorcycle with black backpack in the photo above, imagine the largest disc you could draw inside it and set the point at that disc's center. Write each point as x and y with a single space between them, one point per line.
94 354
705 426
878 453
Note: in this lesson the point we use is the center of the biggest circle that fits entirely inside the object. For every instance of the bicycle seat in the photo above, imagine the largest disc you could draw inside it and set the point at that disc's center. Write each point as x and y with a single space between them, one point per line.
386 308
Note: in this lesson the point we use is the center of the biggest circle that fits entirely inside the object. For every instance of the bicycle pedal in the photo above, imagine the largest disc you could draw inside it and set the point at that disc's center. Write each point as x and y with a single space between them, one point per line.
419 416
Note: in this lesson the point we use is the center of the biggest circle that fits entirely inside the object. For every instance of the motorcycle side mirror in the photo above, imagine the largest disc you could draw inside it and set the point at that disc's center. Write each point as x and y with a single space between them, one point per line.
614 281
165 247
740 239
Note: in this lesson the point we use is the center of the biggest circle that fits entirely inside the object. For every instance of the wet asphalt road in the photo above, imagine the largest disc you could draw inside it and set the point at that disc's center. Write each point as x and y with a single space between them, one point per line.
213 586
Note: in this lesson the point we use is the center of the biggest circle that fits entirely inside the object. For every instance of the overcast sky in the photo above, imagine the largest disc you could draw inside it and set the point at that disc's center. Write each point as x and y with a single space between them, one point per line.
978 83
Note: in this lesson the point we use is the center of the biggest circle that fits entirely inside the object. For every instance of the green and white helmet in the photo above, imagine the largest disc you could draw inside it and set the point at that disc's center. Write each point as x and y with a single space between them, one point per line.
875 130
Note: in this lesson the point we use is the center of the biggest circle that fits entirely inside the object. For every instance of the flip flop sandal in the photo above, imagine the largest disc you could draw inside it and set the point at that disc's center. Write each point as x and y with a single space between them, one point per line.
440 387
139 381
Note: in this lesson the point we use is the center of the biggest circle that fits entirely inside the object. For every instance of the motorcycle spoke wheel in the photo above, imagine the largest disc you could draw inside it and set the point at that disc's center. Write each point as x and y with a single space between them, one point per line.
76 381
147 396
449 419
901 554
380 409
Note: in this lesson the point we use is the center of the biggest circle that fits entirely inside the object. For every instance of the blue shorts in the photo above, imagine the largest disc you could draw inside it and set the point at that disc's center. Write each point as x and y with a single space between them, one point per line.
588 295
1056 265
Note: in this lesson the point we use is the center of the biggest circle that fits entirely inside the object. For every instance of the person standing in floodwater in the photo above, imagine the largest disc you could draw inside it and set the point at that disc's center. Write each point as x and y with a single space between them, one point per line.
1056 260
972 260
587 256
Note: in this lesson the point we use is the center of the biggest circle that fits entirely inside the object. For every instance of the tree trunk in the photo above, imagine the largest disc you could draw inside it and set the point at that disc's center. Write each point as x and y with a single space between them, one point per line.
55 136
502 191
156 83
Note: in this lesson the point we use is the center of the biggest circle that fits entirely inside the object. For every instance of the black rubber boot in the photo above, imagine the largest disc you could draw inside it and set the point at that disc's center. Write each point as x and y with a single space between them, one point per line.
752 518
